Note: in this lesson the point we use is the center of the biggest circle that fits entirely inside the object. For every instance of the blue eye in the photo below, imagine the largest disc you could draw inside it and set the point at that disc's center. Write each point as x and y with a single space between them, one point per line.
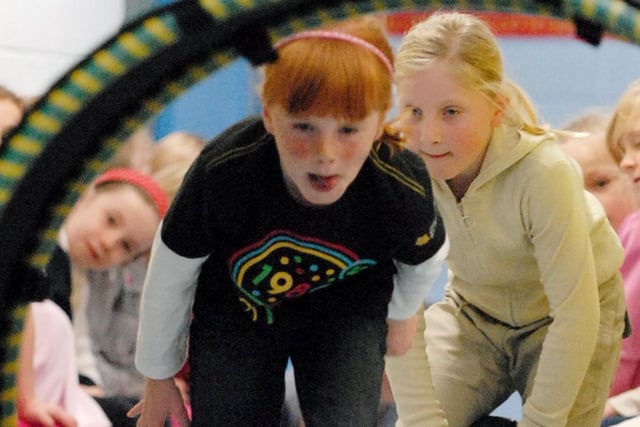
348 130
304 127
451 111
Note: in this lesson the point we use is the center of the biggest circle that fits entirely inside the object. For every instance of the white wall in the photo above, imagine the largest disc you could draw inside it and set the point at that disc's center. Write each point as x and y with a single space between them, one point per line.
41 39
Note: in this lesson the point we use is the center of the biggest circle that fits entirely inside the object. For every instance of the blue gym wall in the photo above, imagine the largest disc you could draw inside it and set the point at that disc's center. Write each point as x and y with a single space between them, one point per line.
563 76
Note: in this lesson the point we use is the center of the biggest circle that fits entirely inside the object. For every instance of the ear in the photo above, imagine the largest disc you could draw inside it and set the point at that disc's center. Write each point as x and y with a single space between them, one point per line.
381 124
498 115
267 118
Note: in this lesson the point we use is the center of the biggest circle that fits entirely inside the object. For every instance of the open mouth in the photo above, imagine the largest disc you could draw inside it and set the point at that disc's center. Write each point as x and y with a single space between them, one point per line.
323 183
92 252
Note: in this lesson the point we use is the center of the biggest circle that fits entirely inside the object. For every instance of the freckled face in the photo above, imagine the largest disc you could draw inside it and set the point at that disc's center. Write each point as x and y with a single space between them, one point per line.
321 156
449 125
109 227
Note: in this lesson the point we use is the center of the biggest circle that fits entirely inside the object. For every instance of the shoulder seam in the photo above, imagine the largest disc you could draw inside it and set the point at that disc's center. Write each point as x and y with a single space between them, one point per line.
396 174
234 153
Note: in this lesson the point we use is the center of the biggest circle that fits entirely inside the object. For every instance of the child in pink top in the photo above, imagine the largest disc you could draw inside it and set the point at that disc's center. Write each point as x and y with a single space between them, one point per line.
51 392
613 187
628 373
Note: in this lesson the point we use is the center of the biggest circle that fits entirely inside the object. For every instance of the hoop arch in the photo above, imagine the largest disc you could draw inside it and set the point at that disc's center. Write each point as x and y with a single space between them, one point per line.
67 137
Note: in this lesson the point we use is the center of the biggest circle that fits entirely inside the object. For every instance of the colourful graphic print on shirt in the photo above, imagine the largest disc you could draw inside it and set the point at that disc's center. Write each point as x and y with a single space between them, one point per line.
283 266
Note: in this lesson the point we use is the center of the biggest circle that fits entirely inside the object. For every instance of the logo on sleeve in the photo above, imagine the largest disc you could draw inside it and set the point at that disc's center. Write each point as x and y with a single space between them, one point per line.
423 240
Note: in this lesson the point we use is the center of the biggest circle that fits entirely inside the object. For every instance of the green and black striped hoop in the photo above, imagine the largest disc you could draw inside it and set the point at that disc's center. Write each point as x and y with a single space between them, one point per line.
66 139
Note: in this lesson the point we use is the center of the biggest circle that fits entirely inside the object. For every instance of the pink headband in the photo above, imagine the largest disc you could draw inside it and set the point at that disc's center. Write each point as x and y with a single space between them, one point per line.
336 35
144 182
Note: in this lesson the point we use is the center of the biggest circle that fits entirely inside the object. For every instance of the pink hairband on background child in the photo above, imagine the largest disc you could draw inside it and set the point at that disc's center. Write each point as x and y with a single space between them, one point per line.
336 35
139 180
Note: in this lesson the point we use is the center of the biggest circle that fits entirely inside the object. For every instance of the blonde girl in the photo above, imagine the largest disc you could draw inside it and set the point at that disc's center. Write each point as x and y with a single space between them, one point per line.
535 302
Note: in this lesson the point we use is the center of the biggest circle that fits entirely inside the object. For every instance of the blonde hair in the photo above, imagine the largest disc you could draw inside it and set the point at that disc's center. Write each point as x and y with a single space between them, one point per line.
170 176
175 147
468 45
136 152
626 110
173 154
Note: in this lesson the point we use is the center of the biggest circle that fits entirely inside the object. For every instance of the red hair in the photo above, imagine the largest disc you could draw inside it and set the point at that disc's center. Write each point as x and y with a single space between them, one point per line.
320 76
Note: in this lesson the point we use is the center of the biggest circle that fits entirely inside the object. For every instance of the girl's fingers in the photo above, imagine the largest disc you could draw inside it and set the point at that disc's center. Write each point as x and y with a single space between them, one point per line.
135 410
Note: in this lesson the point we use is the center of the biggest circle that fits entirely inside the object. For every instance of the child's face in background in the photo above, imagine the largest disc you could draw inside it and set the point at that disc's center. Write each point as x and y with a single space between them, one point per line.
321 156
630 145
603 177
110 227
448 125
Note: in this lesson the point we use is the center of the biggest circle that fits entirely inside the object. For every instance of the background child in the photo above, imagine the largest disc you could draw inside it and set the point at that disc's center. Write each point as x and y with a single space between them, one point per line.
282 238
623 131
48 389
622 137
604 178
113 222
602 174
11 110
535 302
114 294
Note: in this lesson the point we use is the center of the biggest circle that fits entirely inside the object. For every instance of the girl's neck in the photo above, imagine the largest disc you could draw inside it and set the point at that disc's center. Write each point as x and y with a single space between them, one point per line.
63 239
458 187
460 184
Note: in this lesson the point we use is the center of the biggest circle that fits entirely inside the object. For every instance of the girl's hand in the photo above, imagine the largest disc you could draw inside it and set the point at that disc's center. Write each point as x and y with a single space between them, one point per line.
400 335
609 411
36 412
183 386
161 399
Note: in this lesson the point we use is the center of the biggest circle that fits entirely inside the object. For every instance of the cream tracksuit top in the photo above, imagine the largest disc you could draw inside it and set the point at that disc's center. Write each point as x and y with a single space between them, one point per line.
523 241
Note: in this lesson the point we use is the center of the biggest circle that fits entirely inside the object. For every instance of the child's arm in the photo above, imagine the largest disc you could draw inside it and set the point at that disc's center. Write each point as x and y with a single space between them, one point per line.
627 403
165 311
563 239
30 408
410 378
411 285
400 335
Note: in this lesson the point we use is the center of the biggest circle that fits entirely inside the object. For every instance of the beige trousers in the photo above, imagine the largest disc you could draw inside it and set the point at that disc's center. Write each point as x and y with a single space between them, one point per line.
411 385
467 377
